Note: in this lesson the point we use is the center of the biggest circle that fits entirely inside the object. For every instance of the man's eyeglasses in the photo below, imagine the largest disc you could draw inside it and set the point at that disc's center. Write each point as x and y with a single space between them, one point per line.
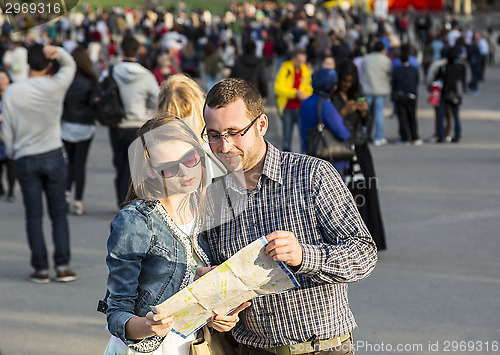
215 137
189 160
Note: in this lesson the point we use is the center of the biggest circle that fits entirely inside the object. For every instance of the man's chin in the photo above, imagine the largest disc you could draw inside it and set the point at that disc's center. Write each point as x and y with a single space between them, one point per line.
231 163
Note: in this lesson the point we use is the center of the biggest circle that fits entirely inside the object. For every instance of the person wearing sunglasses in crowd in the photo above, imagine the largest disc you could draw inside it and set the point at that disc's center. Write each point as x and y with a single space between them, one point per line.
155 245
182 96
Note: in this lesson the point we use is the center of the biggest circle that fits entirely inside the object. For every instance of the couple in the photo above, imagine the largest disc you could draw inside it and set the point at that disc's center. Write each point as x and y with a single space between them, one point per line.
298 202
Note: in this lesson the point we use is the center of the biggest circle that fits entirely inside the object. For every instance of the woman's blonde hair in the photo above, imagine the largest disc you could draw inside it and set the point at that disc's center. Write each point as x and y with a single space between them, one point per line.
182 96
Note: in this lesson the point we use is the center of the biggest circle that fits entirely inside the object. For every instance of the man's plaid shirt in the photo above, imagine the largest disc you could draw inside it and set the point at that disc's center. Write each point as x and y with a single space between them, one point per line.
305 196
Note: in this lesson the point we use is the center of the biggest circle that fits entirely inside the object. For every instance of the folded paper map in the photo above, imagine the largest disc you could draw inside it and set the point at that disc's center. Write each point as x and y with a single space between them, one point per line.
247 274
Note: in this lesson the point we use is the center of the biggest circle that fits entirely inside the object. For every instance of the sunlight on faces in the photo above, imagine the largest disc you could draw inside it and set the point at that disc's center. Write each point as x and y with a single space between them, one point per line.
236 153
328 63
187 179
165 144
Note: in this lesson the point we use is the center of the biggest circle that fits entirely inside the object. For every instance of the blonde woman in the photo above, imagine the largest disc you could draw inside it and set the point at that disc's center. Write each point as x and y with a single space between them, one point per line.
155 244
183 97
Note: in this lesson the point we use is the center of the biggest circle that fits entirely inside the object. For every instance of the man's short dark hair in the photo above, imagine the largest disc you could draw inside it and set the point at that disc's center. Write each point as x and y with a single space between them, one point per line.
227 91
378 46
249 47
405 53
36 58
299 51
130 46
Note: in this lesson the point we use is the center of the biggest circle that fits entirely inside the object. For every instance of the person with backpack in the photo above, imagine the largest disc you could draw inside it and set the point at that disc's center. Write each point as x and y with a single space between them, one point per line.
138 91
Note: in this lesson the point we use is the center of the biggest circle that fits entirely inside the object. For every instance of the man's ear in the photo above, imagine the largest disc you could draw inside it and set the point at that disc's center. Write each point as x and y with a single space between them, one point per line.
262 125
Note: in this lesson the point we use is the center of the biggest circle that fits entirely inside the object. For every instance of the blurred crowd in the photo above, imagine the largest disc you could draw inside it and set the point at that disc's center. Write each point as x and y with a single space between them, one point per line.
294 55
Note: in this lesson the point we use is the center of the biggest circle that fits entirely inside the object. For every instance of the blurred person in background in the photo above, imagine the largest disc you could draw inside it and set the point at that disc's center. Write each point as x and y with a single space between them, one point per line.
405 79
450 75
361 178
4 156
323 83
251 68
138 91
78 128
376 68
212 64
32 135
164 68
292 86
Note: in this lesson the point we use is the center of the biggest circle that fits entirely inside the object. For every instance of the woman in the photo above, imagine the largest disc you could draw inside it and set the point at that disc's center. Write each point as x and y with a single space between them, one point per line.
4 157
154 246
450 74
78 127
183 97
164 68
361 179
323 83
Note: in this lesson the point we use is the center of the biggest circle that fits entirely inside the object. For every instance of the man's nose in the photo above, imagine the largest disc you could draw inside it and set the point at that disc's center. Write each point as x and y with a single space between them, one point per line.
225 144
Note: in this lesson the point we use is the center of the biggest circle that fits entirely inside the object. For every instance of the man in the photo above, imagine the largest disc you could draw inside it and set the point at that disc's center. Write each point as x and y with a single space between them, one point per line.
32 111
405 79
251 68
292 86
138 90
376 67
301 206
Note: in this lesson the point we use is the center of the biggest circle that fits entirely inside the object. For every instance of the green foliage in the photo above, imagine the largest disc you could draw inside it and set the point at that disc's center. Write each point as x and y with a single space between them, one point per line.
216 6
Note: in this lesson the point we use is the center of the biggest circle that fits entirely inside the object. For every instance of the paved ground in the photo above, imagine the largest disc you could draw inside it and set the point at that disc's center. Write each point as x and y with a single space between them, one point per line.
437 282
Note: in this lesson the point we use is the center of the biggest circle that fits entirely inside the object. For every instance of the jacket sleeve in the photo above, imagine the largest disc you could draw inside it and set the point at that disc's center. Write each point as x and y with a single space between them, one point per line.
348 252
66 73
305 84
280 85
124 261
333 120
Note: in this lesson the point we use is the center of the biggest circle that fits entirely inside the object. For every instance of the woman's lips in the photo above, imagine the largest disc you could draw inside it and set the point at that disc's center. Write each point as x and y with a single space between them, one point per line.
188 182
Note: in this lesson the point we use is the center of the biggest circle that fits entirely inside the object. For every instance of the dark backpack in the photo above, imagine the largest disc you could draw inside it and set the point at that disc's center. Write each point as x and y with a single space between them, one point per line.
107 101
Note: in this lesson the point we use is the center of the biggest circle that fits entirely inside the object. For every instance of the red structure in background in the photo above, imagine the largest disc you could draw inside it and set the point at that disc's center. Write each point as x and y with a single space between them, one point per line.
418 5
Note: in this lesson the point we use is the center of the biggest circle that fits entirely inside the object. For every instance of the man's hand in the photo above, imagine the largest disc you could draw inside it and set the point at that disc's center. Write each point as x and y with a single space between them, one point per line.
50 52
160 323
350 107
284 246
300 95
362 106
226 323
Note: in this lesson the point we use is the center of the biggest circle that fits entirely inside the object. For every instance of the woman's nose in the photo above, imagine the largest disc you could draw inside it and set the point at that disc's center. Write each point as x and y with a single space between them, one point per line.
183 170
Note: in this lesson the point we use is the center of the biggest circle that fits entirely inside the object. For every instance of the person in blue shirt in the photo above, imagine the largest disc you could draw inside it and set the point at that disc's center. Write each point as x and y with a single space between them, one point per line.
323 83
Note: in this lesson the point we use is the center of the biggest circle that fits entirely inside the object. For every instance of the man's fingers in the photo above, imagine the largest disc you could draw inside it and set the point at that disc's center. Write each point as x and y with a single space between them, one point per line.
240 308
277 235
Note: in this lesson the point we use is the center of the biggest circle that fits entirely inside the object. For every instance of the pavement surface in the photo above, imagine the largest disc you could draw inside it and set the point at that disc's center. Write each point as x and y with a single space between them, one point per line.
434 291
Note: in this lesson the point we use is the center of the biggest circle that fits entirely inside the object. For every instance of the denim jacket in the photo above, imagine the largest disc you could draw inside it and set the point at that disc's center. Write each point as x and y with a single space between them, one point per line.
147 261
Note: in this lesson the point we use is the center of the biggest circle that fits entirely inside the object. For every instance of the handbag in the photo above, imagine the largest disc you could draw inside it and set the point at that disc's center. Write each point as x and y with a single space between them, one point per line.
435 97
322 143
453 98
208 343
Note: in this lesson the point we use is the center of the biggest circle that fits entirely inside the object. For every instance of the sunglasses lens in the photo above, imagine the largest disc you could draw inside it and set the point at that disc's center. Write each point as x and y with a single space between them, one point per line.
170 171
191 159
